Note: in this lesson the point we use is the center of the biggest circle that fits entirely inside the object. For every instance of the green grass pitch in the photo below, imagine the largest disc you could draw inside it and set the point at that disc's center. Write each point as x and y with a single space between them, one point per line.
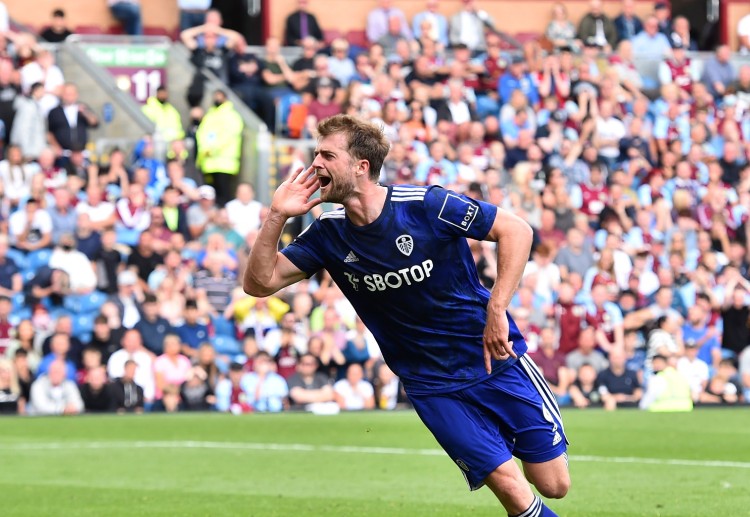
624 463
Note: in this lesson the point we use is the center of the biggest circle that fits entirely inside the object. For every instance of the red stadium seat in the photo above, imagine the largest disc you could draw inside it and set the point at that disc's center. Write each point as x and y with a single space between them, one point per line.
88 29
358 38
331 34
524 37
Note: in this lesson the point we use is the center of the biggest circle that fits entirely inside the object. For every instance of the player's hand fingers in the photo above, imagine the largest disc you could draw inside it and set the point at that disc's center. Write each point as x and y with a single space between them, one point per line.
508 349
487 360
298 175
312 203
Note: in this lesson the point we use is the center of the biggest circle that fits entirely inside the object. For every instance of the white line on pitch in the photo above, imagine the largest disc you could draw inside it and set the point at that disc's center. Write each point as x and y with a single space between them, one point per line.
301 447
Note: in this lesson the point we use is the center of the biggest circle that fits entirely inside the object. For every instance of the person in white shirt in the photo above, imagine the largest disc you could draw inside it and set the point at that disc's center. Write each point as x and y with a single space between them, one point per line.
30 229
354 393
100 211
608 132
16 176
693 369
132 348
244 211
433 21
743 34
43 70
80 271
467 26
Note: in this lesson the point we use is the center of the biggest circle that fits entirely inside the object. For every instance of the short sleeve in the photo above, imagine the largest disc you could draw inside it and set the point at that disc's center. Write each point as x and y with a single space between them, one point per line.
305 251
454 215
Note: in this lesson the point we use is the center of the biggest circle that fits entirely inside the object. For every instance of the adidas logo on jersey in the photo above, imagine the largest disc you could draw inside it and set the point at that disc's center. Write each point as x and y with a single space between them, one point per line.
557 439
351 257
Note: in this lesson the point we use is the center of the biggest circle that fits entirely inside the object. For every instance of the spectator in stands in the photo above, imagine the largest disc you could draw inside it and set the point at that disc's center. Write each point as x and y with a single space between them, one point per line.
128 396
63 215
219 140
57 31
53 394
11 398
354 392
233 393
650 42
560 31
722 388
196 394
128 298
551 363
246 79
744 371
244 210
467 27
681 32
586 353
11 282
277 76
618 386
718 71
268 390
192 332
202 213
104 339
79 272
697 331
301 24
597 27
43 70
628 24
735 312
584 392
9 89
192 13
68 123
663 16
211 45
144 258
164 115
5 325
324 105
340 64
515 78
693 369
308 387
29 130
128 13
30 228
153 327
171 368
379 18
132 348
96 392
16 176
431 23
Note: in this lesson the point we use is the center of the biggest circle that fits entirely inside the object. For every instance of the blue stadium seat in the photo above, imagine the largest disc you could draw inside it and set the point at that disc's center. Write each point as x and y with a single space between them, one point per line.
85 303
83 323
37 259
19 258
18 301
223 327
226 345
127 236
283 107
18 315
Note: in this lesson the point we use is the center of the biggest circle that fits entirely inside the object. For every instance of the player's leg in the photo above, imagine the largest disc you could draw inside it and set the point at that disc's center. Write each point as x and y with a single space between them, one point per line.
541 446
473 439
551 478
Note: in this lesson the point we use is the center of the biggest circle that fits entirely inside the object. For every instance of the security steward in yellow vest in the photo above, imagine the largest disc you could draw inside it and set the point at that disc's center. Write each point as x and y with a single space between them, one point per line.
219 142
668 390
165 117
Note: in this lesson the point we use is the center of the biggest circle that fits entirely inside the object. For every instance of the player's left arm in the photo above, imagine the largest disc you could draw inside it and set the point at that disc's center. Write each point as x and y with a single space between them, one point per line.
513 237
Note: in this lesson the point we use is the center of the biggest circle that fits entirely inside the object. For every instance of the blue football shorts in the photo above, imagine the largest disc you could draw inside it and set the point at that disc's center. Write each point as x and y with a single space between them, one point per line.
512 413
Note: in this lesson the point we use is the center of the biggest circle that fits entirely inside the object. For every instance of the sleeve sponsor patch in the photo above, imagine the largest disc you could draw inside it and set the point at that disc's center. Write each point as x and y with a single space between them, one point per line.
458 212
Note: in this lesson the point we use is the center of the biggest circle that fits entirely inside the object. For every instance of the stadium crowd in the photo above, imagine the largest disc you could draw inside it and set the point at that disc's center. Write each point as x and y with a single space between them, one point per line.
119 274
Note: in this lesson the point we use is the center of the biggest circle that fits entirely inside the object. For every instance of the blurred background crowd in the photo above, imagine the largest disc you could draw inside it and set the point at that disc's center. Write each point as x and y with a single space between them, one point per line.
120 274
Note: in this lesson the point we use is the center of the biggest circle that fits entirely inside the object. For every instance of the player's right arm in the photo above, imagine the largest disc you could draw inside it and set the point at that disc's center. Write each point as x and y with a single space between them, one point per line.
268 270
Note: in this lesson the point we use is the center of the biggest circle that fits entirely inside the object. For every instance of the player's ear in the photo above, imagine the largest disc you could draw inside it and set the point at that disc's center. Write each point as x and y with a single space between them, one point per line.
363 168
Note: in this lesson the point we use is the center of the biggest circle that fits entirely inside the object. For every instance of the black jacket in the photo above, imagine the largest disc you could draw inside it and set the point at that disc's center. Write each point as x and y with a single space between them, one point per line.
67 137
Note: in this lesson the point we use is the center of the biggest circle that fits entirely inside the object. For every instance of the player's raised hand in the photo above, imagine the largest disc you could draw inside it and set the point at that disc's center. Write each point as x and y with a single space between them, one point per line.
496 333
292 198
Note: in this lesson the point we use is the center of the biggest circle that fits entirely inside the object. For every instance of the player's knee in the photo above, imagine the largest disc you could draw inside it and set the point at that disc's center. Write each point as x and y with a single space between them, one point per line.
555 488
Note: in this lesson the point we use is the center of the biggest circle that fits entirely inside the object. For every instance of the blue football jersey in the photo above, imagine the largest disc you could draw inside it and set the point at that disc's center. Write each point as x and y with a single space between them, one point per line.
412 279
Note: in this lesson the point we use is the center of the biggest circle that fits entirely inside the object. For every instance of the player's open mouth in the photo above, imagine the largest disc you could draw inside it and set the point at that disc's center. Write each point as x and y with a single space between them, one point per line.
324 181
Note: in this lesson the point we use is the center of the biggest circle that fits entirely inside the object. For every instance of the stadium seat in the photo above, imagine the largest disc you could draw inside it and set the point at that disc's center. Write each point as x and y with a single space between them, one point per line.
226 345
18 315
283 107
18 257
55 313
331 34
85 303
223 327
37 259
18 301
88 29
83 323
127 236
358 38
525 37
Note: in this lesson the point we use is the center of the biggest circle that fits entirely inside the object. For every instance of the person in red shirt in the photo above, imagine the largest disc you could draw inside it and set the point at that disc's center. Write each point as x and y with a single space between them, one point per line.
569 316
551 362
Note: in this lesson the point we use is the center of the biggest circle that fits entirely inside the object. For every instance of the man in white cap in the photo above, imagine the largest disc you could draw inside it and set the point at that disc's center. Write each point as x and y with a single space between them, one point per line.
128 298
203 212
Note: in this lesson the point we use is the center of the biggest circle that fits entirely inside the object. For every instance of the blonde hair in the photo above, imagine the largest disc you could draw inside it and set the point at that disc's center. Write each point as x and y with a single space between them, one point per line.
5 364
